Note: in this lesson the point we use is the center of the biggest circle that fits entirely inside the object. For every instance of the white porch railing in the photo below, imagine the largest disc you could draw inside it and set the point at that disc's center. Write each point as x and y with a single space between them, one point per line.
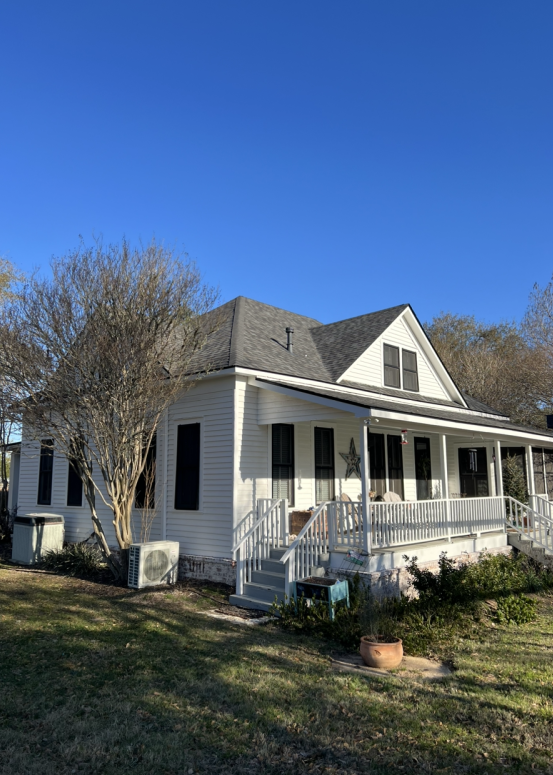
340 523
345 523
305 551
270 531
529 523
541 505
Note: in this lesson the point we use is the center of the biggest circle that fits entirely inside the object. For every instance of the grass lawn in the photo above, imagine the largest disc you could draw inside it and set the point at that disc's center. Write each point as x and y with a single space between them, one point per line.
99 679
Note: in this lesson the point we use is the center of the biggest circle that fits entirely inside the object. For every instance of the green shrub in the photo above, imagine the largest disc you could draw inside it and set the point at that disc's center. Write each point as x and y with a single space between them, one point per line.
75 560
494 576
516 609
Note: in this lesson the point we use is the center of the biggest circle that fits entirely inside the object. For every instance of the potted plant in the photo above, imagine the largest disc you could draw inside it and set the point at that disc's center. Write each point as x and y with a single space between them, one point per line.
380 648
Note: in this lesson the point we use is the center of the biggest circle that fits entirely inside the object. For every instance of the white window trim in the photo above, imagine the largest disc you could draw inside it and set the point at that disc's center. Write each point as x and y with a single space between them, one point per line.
401 349
322 424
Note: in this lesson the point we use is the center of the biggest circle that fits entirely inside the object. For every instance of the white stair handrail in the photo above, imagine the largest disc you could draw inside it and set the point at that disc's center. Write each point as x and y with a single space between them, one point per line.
306 549
270 531
529 523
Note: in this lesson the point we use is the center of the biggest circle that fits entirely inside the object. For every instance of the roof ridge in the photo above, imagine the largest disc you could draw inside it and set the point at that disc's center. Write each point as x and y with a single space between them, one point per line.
367 314
236 330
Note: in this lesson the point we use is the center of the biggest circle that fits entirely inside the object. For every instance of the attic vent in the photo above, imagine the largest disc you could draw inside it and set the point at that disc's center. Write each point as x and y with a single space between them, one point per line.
289 343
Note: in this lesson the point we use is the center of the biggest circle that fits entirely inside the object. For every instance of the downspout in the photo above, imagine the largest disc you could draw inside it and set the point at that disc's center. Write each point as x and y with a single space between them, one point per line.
165 469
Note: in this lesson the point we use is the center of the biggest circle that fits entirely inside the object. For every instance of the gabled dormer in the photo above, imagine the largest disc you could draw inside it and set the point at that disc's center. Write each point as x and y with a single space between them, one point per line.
403 359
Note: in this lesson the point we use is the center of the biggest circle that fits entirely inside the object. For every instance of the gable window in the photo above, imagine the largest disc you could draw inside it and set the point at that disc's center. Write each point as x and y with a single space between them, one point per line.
74 487
324 464
410 373
146 486
187 476
391 366
283 462
45 472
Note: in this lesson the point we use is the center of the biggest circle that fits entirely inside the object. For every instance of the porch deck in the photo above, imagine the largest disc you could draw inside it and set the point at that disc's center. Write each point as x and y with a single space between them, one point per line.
268 553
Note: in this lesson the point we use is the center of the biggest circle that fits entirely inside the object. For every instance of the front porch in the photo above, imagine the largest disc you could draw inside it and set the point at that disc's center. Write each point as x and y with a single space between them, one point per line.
338 539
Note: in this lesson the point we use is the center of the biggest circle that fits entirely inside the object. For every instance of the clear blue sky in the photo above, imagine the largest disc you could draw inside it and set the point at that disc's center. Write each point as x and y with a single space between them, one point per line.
327 157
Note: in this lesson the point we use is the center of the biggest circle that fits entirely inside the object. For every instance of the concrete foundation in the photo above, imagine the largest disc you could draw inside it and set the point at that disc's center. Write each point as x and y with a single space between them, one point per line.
385 571
216 569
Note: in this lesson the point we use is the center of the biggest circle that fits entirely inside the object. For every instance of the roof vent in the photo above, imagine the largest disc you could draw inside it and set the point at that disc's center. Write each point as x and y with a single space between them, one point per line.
289 343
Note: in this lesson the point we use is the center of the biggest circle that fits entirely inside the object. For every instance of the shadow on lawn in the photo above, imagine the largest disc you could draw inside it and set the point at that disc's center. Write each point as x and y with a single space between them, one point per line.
167 690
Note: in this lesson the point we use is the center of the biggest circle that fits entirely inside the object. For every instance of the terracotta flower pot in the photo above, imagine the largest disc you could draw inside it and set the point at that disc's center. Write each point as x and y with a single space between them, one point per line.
383 654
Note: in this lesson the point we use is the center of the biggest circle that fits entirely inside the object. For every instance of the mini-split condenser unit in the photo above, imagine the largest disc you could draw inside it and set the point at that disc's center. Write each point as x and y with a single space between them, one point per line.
36 534
152 563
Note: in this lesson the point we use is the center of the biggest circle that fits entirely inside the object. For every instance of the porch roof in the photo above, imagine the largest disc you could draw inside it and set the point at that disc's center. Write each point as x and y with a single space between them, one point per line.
375 403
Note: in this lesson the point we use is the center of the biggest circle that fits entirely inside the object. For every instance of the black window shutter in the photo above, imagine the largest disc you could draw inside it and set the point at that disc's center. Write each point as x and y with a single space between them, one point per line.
395 465
410 371
283 461
324 464
391 366
187 479
148 472
74 487
45 472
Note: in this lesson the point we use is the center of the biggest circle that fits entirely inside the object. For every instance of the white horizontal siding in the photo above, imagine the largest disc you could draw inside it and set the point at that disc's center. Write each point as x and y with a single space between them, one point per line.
78 523
208 531
251 461
368 368
277 408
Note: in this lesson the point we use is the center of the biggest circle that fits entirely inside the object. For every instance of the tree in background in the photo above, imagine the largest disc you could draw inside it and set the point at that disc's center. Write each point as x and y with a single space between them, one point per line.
537 326
9 278
94 355
514 479
496 363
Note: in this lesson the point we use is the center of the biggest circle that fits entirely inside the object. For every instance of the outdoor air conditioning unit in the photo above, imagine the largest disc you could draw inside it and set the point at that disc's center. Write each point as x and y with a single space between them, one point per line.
153 563
36 534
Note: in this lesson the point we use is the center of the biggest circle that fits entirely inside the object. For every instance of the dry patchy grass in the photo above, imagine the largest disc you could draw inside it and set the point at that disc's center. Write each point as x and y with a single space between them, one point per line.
99 679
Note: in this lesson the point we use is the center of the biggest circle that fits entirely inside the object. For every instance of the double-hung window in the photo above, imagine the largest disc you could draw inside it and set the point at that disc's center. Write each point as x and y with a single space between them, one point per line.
410 373
391 366
187 479
283 462
45 469
400 369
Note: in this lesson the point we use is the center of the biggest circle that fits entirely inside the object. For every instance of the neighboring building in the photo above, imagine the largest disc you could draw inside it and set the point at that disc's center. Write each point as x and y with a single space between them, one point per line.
283 415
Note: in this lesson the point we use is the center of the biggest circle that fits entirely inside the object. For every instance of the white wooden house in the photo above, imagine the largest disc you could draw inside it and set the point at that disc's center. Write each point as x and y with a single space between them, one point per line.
294 415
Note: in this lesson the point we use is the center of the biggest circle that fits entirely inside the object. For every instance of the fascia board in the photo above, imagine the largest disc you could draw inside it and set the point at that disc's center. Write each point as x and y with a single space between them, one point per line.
405 417
438 367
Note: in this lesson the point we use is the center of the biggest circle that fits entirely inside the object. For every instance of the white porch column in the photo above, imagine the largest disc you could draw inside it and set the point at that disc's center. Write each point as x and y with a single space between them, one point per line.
445 482
367 521
499 468
443 465
530 470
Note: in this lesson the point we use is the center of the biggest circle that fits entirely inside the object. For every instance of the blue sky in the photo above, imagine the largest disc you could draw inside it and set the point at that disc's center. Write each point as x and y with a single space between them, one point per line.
327 157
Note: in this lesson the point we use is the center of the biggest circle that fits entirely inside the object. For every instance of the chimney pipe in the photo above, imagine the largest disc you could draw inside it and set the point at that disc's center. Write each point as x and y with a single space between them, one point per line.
289 343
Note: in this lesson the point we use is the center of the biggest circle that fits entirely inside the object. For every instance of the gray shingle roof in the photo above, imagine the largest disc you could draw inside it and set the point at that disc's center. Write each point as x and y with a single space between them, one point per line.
252 335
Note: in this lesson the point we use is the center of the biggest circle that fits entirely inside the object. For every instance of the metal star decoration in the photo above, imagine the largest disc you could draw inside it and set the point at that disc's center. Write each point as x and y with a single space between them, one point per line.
353 461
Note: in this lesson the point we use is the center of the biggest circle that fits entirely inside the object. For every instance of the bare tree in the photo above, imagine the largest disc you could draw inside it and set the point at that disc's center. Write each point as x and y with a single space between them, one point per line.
538 329
495 363
96 353
9 427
